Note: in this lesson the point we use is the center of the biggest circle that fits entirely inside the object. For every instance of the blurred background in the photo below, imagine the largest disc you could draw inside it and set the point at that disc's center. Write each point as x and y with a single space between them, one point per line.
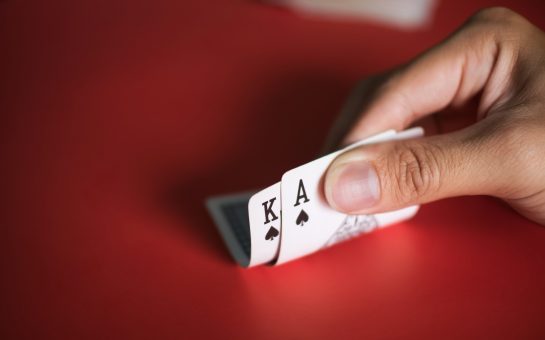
118 119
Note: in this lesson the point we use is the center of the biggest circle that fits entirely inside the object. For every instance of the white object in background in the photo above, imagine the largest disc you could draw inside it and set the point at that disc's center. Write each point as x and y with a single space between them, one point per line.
401 13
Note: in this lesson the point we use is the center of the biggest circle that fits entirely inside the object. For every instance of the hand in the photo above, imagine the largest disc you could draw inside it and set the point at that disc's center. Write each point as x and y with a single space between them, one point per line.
497 57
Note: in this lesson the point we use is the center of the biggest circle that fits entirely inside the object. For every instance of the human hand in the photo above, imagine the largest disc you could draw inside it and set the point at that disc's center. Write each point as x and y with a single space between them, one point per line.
497 56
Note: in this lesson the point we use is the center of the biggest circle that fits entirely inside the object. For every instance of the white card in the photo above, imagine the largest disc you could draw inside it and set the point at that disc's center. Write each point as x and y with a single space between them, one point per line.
309 223
265 224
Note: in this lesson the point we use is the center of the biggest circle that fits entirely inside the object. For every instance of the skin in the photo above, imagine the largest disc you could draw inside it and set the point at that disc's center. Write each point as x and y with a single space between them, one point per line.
496 58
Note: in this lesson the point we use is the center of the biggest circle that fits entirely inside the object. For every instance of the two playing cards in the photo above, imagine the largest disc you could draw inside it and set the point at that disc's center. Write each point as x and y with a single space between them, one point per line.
291 218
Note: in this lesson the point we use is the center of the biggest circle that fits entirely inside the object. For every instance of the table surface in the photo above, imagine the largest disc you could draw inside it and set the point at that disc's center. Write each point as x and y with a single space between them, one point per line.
119 118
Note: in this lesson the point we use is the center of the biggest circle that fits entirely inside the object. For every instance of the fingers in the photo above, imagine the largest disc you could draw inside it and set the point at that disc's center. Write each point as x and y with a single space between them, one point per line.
392 175
497 55
470 61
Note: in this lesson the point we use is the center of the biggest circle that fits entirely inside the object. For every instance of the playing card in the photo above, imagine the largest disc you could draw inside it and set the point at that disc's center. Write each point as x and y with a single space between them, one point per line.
265 224
309 223
230 213
291 218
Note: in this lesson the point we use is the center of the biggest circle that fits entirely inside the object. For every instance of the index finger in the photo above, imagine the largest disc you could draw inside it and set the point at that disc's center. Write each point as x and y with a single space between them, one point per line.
473 59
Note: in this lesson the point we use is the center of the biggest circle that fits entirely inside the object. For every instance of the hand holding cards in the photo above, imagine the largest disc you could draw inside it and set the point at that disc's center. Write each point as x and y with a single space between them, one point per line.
291 218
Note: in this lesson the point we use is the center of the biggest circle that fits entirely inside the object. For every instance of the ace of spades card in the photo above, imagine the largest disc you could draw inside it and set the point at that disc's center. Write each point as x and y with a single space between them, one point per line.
308 222
302 217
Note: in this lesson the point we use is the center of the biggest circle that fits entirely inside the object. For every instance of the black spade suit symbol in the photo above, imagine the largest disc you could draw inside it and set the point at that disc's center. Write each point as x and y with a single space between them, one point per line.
271 234
302 218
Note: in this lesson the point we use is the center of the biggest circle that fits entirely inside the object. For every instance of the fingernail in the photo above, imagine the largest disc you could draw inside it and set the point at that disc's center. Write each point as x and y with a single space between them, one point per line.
354 187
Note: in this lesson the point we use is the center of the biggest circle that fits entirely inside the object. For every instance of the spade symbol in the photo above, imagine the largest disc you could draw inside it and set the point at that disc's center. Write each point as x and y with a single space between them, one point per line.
271 234
302 218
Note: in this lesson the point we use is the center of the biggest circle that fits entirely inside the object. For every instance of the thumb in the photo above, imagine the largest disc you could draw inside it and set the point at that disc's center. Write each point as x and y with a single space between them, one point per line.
392 175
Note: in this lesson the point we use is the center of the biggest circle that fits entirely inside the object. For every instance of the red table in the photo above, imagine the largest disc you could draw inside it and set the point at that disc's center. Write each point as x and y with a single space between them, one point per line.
120 117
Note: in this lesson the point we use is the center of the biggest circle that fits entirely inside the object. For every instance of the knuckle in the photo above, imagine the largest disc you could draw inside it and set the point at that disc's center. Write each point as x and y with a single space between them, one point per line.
500 30
414 170
495 15
490 21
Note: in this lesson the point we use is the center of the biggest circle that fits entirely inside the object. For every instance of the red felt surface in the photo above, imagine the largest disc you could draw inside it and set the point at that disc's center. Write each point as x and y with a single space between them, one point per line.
119 117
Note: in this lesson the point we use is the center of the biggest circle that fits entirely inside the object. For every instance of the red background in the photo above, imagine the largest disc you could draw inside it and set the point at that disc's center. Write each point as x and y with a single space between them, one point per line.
119 117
